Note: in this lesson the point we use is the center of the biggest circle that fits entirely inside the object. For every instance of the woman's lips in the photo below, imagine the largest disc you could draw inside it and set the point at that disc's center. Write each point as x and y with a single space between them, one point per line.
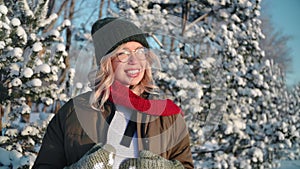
132 72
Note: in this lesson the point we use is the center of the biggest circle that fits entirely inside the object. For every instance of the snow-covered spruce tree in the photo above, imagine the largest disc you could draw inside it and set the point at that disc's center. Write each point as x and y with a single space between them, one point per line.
249 135
30 64
254 131
292 122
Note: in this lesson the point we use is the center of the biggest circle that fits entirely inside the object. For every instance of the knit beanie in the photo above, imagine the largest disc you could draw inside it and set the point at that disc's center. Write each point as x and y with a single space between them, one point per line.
109 33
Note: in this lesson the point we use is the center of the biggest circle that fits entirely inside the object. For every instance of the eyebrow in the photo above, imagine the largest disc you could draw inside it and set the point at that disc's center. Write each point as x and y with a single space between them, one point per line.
133 49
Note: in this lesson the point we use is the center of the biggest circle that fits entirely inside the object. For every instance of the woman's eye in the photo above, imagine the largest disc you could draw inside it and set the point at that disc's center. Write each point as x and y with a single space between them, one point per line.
140 51
121 53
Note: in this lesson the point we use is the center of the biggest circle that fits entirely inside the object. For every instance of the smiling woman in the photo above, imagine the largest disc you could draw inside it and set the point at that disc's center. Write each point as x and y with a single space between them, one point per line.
117 125
129 66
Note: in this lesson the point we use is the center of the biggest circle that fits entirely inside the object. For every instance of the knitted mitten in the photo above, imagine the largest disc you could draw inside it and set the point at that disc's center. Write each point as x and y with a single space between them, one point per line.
96 158
149 160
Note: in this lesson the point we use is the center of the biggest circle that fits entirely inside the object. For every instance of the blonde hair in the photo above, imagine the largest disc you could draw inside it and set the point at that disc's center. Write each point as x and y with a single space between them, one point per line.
104 78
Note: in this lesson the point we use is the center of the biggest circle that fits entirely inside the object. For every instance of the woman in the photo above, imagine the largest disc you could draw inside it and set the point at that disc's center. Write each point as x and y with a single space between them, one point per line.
117 125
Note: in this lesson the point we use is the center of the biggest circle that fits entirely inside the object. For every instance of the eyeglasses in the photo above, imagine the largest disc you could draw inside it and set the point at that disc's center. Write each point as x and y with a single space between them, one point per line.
140 53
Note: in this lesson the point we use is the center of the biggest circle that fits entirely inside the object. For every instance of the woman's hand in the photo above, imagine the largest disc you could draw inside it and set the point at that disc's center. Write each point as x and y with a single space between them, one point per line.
97 157
149 160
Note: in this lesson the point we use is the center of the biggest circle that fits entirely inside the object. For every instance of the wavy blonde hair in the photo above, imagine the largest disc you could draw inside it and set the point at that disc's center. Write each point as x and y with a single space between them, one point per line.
104 78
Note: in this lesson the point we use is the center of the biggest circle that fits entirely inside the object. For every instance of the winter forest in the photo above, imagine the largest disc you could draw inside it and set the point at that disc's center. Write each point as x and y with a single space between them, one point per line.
222 63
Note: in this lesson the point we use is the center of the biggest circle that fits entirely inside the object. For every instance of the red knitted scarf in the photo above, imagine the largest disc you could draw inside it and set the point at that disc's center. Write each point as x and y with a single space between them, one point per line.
122 95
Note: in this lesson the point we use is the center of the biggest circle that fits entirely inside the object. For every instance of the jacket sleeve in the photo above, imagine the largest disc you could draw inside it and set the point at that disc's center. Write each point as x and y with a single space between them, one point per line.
52 154
182 151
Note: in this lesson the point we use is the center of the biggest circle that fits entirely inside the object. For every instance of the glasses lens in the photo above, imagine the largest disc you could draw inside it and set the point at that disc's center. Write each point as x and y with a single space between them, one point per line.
141 53
123 56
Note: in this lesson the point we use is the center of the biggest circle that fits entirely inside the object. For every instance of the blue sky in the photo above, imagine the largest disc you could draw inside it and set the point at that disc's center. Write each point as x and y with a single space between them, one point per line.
285 16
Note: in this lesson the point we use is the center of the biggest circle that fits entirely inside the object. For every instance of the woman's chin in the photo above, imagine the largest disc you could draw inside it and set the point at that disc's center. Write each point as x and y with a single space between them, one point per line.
128 84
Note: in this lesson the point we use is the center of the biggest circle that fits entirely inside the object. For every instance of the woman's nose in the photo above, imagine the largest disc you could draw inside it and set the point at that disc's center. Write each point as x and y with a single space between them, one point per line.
132 59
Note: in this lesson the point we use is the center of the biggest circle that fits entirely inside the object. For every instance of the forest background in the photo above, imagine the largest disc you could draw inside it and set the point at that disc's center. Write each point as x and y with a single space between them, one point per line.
223 63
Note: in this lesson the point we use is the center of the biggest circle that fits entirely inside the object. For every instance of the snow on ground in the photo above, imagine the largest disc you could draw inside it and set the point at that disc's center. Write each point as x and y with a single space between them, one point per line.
290 164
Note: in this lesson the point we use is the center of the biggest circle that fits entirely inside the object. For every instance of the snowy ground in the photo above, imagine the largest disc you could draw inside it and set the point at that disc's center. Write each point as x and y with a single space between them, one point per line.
290 164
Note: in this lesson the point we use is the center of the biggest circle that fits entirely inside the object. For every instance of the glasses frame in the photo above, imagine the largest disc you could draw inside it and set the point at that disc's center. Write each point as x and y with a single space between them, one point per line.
130 53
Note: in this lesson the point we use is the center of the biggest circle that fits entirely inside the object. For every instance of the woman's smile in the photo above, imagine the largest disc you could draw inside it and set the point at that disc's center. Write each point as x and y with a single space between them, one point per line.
132 72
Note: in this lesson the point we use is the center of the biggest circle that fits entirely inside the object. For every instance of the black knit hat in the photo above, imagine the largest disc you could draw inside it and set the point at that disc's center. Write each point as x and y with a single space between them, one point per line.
109 33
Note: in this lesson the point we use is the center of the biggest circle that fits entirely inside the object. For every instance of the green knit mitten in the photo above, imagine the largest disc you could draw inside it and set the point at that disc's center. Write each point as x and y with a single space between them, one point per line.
149 160
97 157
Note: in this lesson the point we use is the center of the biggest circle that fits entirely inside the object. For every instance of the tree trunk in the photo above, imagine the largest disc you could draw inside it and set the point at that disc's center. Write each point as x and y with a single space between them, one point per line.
108 5
51 5
1 115
57 106
184 15
101 9
69 32
172 44
25 118
70 16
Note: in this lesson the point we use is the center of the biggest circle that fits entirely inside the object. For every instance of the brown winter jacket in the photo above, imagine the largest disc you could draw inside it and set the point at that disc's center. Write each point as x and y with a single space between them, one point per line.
76 128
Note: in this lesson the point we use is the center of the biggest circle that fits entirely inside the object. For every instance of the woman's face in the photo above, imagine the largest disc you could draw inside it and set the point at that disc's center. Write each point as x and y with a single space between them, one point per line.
129 72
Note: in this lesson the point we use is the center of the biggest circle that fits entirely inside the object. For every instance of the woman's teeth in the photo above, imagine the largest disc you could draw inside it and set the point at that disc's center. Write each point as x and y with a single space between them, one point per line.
133 72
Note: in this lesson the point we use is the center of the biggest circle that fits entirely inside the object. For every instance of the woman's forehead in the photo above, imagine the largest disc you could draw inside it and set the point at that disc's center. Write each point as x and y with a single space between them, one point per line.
131 45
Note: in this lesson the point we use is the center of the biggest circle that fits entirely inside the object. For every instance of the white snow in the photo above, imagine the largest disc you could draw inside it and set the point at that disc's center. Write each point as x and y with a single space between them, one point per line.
17 52
38 62
11 132
37 46
48 101
3 139
207 62
25 109
224 13
14 69
35 82
235 18
79 85
60 47
22 34
257 155
43 68
15 22
67 23
28 11
16 82
47 21
2 45
33 36
12 158
54 33
63 97
29 130
54 69
3 9
27 72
